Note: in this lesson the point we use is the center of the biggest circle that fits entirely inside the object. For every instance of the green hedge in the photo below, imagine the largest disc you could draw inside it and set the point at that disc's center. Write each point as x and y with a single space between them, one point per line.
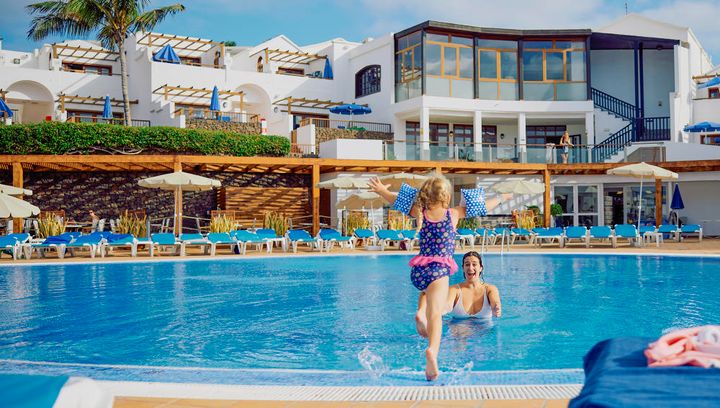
63 138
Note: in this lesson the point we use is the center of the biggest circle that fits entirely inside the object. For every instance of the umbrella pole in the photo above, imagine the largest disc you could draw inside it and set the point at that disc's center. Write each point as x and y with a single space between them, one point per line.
178 211
640 203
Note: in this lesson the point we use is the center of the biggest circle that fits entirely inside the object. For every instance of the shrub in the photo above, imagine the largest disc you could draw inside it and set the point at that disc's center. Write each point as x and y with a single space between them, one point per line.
276 221
132 224
50 226
471 223
86 138
222 223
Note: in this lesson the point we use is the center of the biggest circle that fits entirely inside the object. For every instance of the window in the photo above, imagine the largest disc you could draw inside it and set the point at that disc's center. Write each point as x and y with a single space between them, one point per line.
191 61
463 135
88 69
711 139
539 135
290 71
408 66
367 81
449 66
714 93
554 70
489 135
497 69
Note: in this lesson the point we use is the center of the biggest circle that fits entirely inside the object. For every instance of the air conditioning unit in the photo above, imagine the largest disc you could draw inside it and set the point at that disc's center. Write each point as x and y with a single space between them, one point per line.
225 105
16 61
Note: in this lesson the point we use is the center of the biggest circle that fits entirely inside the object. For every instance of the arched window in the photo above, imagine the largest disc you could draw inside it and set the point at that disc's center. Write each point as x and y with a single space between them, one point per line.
367 81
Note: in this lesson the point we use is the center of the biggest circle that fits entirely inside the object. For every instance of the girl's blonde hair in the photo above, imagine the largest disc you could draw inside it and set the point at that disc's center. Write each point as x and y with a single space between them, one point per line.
435 190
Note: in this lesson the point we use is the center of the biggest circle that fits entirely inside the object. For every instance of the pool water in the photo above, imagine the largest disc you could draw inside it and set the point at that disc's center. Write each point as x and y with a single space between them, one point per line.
334 319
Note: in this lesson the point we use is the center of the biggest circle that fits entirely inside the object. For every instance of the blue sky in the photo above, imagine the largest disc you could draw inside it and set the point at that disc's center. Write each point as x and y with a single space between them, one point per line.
250 22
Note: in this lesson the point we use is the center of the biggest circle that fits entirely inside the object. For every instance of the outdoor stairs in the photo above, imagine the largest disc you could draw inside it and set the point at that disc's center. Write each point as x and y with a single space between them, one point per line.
638 128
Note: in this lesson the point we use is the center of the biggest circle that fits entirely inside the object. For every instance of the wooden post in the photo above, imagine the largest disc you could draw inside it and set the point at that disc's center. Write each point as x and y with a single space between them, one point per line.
290 105
242 103
546 198
438 170
315 199
17 175
62 103
267 58
177 166
658 202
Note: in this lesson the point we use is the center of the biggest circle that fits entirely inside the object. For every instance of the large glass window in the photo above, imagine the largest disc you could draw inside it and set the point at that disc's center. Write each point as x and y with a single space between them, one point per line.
580 205
367 81
497 69
408 66
554 70
449 66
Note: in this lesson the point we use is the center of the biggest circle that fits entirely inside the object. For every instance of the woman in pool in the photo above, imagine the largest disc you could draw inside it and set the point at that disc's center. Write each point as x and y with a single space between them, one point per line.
472 298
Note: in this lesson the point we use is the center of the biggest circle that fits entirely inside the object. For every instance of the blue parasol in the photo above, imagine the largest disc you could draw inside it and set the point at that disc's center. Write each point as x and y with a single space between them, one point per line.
703 127
215 100
677 201
4 109
327 72
350 109
107 109
166 54
713 82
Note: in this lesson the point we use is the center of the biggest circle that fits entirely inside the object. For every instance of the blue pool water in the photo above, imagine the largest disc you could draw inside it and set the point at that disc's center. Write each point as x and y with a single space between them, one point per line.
335 320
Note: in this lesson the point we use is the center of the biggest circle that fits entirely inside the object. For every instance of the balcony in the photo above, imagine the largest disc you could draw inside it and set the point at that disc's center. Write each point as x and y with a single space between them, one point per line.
113 121
202 118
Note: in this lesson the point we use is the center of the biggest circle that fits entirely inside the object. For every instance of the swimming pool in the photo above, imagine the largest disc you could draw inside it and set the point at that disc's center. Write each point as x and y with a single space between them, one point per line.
335 320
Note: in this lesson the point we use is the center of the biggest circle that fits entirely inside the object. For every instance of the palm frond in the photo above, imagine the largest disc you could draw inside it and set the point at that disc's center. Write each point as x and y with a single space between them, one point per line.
68 17
149 19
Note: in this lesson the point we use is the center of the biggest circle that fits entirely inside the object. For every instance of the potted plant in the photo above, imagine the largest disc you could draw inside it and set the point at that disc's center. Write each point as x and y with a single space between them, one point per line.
556 210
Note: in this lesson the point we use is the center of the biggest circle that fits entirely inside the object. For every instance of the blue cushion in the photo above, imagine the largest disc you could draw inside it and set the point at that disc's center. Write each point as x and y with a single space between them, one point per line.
474 201
405 199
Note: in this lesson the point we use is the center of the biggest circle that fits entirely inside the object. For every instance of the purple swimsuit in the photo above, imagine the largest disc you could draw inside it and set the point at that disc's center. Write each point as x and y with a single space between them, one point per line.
437 247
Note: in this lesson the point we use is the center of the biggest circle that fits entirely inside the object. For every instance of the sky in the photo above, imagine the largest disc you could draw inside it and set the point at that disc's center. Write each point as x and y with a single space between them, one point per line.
310 21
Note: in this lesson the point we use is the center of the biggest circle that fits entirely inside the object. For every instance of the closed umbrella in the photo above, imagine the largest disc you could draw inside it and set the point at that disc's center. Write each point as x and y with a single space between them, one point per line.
397 179
215 100
5 110
677 201
327 72
11 190
518 187
344 183
107 109
178 182
11 207
643 171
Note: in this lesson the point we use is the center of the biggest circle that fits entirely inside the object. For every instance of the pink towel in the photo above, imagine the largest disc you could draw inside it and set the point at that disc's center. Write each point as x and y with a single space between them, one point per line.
697 346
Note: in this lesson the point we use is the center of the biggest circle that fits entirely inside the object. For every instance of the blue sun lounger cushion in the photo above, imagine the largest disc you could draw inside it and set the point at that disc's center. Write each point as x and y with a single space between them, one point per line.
405 199
474 201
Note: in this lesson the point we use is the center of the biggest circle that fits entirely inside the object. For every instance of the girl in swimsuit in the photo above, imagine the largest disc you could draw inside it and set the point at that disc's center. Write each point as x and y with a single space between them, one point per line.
472 298
430 270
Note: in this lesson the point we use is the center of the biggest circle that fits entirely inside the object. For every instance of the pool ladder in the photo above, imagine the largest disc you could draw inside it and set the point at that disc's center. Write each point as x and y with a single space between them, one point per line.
504 235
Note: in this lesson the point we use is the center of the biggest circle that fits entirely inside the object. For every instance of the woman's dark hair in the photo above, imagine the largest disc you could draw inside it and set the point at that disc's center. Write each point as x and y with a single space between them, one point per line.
475 254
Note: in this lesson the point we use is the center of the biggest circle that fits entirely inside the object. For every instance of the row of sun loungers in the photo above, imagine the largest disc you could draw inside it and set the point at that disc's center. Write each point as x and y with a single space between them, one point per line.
606 234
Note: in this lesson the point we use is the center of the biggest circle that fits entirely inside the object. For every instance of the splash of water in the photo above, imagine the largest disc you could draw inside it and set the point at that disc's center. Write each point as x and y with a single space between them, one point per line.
458 376
372 363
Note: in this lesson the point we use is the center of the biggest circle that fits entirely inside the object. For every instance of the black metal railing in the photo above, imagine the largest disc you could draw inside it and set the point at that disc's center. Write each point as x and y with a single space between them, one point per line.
613 144
639 130
207 114
653 129
113 121
348 124
613 105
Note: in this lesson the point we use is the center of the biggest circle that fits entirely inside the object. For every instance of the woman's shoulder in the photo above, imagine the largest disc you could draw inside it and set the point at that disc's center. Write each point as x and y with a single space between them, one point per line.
491 288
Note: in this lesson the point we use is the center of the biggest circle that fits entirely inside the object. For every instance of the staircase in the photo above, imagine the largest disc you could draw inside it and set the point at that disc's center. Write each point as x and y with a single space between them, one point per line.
639 129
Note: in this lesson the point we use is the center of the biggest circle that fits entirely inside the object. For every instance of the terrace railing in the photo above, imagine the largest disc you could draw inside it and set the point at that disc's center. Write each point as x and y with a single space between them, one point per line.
207 114
348 124
113 121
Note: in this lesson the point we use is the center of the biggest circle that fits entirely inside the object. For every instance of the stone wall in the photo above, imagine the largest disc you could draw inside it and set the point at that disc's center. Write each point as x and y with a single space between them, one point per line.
111 193
324 134
236 127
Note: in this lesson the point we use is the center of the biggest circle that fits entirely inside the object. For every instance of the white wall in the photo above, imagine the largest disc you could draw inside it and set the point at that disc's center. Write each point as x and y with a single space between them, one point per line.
351 149
706 110
700 199
606 124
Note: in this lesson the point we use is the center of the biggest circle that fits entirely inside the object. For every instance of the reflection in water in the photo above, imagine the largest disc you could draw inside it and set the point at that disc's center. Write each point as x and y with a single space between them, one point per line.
463 330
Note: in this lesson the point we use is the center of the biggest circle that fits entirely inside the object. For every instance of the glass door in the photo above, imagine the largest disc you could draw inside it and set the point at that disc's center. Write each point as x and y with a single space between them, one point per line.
463 142
439 141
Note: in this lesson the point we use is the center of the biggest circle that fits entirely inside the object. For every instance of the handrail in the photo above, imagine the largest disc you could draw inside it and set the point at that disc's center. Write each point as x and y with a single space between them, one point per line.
113 121
207 114
613 144
348 124
613 105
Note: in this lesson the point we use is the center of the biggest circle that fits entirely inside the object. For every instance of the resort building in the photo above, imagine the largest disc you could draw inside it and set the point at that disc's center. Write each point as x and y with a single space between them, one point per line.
437 92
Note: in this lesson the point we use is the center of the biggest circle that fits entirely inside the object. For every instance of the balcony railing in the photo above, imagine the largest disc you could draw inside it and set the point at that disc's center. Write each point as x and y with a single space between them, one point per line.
348 125
491 152
113 121
207 114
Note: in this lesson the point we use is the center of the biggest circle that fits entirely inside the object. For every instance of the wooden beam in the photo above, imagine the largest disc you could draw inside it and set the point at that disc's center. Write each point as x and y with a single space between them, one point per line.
315 199
546 198
658 202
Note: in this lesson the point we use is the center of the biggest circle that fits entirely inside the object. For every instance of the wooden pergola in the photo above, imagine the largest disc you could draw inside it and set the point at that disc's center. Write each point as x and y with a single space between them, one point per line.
181 94
183 46
89 100
314 167
289 57
71 53
291 102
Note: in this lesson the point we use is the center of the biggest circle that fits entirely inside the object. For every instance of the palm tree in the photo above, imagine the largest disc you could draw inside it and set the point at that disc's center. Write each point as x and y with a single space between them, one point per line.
112 20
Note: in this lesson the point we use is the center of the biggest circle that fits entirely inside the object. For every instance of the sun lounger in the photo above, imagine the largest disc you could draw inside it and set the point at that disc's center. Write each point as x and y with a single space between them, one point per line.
90 242
521 233
8 243
197 240
128 241
21 237
628 232
222 239
332 236
387 237
245 238
601 233
577 234
467 235
165 240
691 229
299 236
671 230
270 235
56 243
550 235
364 236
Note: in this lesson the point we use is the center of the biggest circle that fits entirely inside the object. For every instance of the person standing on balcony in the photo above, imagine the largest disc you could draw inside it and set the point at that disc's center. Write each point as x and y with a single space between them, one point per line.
565 144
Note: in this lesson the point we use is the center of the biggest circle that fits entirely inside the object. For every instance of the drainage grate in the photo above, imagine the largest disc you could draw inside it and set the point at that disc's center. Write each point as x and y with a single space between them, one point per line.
311 393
